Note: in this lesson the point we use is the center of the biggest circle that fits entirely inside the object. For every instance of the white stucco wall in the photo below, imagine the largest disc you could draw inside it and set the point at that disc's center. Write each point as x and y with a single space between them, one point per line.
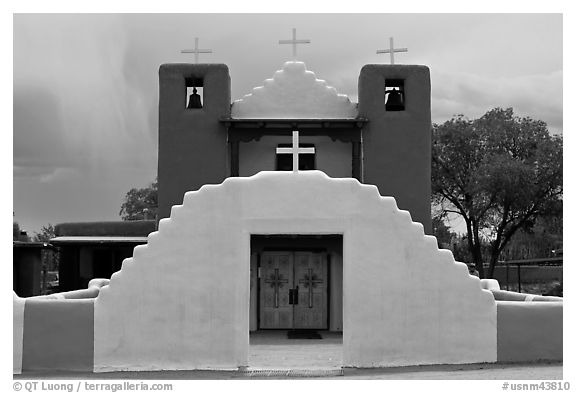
294 92
182 301
336 282
253 292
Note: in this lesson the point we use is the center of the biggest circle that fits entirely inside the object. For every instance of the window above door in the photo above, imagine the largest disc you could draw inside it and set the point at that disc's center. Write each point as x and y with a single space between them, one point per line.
306 159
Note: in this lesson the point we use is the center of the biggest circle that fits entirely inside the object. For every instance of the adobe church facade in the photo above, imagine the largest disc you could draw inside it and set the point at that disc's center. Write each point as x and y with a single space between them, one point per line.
293 208
375 141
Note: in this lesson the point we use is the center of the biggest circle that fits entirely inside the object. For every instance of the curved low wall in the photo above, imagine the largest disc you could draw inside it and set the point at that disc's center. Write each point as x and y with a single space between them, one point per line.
58 334
17 332
523 297
529 331
55 332
94 287
529 326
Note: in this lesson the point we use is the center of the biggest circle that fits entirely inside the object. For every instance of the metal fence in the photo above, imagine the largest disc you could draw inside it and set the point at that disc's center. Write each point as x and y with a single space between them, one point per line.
519 263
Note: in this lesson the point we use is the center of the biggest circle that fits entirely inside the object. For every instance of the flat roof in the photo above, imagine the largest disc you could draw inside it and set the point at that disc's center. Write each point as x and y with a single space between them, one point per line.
106 228
17 243
301 124
100 239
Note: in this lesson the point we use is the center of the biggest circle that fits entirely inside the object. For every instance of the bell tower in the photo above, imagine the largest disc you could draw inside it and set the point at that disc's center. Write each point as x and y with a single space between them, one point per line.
192 145
397 137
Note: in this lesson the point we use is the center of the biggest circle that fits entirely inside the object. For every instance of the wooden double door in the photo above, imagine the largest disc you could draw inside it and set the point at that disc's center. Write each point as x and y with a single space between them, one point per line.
293 290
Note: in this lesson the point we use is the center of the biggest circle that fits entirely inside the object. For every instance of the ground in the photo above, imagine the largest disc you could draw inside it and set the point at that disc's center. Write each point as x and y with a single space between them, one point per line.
508 372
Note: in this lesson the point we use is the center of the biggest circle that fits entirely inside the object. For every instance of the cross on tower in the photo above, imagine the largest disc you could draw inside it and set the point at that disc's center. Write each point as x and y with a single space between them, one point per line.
295 150
310 282
294 42
391 50
276 280
196 51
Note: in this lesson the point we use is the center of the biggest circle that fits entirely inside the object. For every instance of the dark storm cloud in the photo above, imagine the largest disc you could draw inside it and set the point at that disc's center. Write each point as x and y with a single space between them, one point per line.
39 146
91 116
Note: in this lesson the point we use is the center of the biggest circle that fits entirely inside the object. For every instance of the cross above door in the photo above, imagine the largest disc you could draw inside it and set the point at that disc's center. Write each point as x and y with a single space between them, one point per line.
295 150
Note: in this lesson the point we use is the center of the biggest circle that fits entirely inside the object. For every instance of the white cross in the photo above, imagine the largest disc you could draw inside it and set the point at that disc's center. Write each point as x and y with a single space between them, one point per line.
196 51
392 50
295 150
294 42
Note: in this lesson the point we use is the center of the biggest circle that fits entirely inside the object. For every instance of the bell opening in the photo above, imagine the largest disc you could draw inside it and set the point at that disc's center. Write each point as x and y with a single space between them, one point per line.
194 97
394 95
194 93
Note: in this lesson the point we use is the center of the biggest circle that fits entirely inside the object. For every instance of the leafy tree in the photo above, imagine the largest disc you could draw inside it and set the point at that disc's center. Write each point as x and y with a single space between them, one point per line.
140 203
50 257
442 232
499 173
46 233
541 241
15 231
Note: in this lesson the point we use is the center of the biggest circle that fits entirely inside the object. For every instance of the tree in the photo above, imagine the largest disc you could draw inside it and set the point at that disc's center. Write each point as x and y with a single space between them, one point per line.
442 232
50 257
541 241
140 203
499 173
46 233
15 231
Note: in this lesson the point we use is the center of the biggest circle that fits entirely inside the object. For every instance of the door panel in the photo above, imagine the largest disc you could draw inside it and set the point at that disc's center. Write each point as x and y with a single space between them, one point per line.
281 272
276 278
311 277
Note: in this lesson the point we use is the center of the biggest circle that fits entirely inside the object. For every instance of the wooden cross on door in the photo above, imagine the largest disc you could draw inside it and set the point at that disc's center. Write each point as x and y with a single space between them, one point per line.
276 280
310 280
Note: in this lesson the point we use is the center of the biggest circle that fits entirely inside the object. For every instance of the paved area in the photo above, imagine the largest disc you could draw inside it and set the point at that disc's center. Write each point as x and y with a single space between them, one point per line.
273 356
507 372
272 349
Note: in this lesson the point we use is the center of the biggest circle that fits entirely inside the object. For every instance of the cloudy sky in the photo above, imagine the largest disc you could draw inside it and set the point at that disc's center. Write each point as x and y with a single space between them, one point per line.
86 85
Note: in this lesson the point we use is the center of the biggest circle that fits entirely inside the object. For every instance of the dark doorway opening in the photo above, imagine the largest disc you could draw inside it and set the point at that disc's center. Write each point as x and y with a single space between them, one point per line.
296 301
296 282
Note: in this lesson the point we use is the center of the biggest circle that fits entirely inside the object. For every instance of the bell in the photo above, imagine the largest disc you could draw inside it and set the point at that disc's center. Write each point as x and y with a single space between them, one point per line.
395 101
194 102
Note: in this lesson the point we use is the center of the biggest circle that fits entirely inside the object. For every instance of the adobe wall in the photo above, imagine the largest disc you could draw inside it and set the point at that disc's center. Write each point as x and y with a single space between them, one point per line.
58 334
182 301
55 332
530 331
397 144
192 148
